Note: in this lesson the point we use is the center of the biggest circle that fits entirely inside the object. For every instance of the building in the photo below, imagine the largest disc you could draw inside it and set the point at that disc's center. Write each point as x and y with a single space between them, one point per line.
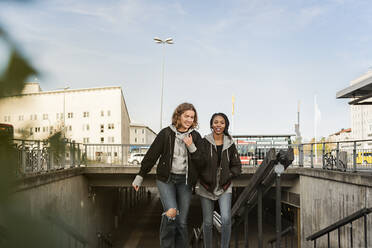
94 115
342 135
361 115
141 134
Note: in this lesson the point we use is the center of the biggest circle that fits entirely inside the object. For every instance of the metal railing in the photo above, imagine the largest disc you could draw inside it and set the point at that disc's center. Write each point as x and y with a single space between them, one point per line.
339 224
38 156
353 155
35 156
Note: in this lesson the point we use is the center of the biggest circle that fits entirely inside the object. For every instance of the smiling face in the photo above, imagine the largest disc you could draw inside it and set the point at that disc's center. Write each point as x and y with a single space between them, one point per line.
218 125
186 120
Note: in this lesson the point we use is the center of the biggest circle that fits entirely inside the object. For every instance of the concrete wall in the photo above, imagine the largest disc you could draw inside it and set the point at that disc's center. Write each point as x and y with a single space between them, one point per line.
68 197
327 197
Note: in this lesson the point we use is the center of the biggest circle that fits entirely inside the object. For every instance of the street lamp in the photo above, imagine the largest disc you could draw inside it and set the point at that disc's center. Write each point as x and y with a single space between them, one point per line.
64 108
163 42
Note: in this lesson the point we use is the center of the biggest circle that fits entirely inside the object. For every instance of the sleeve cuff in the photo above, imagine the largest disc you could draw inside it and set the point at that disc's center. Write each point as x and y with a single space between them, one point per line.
138 180
191 148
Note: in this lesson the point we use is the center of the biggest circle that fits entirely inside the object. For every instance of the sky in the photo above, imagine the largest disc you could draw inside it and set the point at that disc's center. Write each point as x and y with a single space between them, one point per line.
268 54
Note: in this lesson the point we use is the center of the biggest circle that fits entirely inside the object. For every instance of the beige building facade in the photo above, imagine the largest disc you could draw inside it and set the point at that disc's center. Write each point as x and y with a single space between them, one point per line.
93 115
141 134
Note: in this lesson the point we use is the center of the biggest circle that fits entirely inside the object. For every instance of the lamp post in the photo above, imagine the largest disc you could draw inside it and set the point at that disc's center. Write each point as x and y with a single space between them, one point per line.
162 42
64 109
279 169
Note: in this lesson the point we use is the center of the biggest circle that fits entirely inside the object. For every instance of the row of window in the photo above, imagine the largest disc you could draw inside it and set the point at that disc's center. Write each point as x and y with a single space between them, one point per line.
143 131
59 116
135 140
86 127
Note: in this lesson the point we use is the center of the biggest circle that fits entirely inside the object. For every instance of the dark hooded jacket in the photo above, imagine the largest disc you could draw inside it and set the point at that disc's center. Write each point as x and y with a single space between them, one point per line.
163 147
229 168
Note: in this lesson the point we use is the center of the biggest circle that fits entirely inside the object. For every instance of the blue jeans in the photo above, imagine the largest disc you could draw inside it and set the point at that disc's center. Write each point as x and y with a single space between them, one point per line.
208 207
174 194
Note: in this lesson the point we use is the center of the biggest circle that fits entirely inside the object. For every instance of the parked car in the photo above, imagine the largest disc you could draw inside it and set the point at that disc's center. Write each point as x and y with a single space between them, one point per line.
136 158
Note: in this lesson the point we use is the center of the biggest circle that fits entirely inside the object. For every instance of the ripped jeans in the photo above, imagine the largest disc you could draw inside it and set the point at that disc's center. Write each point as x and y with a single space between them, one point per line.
174 194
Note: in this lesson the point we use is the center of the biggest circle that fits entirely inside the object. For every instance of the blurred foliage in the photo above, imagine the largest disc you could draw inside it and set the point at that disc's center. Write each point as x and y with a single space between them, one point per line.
18 69
18 228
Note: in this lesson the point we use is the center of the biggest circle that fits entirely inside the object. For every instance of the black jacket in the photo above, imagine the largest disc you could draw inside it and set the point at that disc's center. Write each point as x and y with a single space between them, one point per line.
230 166
163 147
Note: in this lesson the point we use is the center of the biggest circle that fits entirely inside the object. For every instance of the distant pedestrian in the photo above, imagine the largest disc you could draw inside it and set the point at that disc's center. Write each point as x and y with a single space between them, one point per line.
222 164
177 148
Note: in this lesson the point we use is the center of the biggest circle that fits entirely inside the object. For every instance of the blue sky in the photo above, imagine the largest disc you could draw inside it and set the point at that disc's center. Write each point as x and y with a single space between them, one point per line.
269 54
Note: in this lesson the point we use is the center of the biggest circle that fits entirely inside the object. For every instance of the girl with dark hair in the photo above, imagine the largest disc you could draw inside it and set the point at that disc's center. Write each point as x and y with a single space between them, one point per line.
177 146
221 165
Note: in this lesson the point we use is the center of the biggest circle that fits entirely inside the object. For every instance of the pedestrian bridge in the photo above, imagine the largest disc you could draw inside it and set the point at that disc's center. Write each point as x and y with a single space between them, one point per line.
90 202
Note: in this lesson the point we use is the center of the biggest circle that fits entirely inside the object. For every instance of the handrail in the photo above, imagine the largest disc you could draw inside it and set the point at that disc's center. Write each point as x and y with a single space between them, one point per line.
340 223
263 178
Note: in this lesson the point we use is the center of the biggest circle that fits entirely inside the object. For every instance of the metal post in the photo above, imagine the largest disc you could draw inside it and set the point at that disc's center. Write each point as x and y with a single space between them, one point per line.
246 240
23 158
122 154
351 234
338 155
72 154
328 240
278 211
301 154
78 155
365 231
354 156
339 237
38 157
259 215
323 152
312 156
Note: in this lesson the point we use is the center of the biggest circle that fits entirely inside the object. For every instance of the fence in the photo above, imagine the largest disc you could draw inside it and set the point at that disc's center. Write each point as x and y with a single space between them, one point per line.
39 156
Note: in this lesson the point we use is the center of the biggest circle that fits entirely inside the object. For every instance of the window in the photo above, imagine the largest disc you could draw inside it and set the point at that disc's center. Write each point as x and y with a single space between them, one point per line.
86 127
143 131
20 118
69 128
86 140
111 139
102 128
45 116
135 130
31 130
102 139
86 114
135 140
108 113
111 126
143 140
45 129
51 129
57 117
70 115
102 113
7 118
37 129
